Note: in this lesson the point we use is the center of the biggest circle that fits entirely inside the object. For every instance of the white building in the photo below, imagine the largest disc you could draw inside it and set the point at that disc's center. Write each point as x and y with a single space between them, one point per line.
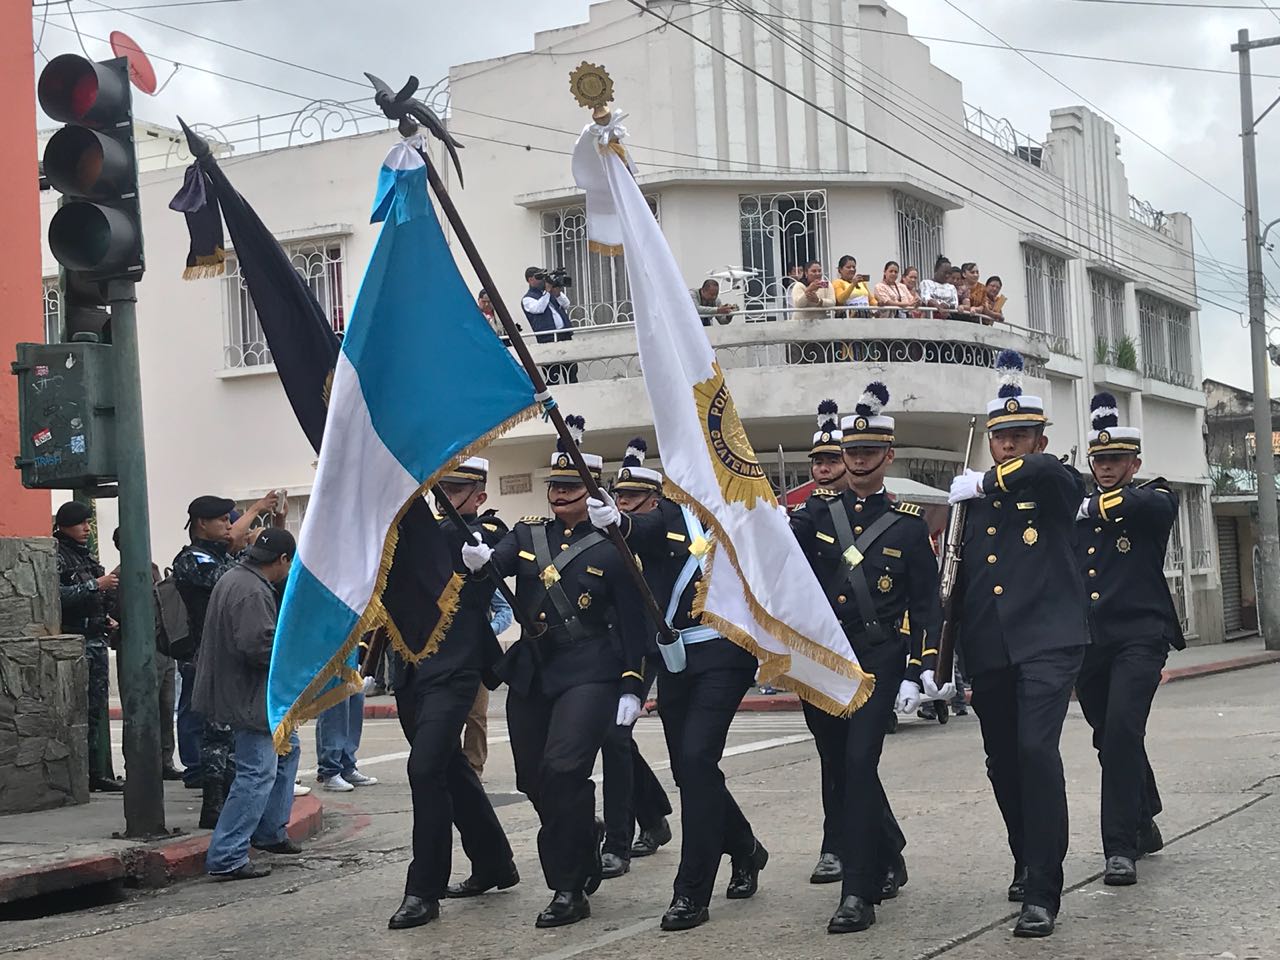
1101 288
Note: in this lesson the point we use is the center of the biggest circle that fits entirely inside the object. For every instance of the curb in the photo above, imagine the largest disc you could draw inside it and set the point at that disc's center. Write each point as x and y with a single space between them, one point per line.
144 865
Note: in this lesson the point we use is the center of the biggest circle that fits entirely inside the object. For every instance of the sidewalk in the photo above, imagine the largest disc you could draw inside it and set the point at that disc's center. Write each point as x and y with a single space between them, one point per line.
55 850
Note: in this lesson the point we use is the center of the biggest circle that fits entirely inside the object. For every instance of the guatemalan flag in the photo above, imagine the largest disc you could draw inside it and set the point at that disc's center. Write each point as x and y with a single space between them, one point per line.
421 382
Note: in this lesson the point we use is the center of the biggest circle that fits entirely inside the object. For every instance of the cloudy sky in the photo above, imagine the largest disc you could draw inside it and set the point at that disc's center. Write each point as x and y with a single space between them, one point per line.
1192 117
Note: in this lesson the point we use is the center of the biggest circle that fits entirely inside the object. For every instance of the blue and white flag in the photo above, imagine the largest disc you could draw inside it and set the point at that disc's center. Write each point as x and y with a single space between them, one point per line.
421 382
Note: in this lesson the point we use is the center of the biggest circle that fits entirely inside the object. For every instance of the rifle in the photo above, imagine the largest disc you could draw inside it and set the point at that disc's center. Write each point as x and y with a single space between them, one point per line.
950 573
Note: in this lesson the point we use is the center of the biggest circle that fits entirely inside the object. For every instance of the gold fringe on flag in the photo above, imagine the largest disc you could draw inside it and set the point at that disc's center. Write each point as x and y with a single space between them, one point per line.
207 266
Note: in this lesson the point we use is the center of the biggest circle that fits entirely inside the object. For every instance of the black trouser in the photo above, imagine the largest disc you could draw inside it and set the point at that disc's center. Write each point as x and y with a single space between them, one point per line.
554 741
632 794
1021 709
696 710
1116 686
99 718
445 789
166 671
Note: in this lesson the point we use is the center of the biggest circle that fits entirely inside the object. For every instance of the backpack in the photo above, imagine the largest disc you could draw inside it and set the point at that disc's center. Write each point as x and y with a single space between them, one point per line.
173 632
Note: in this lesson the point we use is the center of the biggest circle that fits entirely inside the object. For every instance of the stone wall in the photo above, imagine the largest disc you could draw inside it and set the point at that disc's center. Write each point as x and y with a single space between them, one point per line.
43 686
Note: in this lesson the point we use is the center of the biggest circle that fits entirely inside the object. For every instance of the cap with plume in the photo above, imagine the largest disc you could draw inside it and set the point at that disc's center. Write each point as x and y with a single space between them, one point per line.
1104 412
577 427
636 450
1009 366
872 400
828 415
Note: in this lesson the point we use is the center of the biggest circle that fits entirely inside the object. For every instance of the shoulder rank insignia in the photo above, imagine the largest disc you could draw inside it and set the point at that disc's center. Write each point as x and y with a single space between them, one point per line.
825 493
908 508
533 519
492 527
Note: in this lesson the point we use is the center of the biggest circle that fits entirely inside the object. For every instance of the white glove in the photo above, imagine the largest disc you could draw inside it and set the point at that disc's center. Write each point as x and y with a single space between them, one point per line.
929 683
967 486
1083 512
476 555
908 698
629 707
603 511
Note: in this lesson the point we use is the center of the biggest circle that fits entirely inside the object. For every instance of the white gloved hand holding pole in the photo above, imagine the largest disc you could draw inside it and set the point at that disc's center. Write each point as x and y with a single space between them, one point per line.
476 555
967 486
929 683
629 707
603 512
908 701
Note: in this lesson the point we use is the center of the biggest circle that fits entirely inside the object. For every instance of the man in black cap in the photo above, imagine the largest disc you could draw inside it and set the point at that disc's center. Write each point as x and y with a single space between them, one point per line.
196 570
433 697
1124 532
1020 625
84 589
569 685
876 563
231 691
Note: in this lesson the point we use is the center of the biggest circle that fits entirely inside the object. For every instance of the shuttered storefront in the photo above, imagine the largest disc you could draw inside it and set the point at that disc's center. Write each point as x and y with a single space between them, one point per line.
1229 565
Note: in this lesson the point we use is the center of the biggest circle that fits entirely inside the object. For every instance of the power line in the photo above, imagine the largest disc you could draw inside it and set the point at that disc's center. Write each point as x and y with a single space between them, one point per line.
1169 4
145 6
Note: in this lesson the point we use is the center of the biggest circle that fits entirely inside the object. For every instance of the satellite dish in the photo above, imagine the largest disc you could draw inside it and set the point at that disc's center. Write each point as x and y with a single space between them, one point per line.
141 73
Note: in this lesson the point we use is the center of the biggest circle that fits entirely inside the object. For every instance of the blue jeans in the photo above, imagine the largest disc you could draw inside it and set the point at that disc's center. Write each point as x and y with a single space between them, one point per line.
190 727
338 732
257 808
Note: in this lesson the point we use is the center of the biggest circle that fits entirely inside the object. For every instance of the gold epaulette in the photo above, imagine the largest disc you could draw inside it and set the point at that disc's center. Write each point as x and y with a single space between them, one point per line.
825 493
908 508
492 527
534 519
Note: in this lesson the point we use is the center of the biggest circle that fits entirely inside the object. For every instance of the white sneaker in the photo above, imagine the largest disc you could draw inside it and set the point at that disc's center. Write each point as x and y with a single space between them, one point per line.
336 784
299 790
358 779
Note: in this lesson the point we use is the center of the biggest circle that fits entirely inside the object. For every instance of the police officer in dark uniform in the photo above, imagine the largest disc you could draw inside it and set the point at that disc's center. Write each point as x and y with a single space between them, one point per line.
433 697
1020 625
699 693
826 460
84 589
196 570
632 793
569 686
1123 534
877 566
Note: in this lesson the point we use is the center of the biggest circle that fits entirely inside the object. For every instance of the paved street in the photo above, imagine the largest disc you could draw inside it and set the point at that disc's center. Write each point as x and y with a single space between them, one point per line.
1213 892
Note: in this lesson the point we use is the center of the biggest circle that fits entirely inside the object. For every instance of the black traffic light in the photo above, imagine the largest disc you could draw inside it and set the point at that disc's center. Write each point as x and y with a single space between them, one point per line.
97 232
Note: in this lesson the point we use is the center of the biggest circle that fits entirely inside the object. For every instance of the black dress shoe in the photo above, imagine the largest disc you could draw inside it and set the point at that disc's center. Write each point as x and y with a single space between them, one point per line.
828 869
171 773
1034 922
649 841
746 874
1018 888
566 907
284 846
475 885
894 880
928 711
1149 839
106 785
1120 872
852 915
596 874
414 912
613 866
684 915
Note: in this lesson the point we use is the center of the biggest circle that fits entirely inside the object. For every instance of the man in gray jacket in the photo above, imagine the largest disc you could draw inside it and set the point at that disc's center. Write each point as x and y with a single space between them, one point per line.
231 689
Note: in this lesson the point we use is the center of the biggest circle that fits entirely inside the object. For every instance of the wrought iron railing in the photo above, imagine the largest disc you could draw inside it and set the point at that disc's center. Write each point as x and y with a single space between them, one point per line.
1002 134
1149 216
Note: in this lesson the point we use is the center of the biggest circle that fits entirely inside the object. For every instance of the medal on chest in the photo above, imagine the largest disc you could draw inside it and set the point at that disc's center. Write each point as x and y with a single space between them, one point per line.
885 583
1123 545
584 601
1030 536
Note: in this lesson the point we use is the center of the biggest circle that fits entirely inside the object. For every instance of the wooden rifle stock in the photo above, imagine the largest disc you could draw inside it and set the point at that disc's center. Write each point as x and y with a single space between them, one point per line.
950 572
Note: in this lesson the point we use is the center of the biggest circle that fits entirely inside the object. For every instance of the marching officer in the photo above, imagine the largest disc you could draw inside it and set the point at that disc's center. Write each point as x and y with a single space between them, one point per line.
1123 534
571 684
1021 628
826 460
699 692
433 696
632 793
877 566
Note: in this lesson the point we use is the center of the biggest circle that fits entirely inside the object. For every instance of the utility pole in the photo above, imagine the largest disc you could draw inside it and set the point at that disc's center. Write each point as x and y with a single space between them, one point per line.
1268 521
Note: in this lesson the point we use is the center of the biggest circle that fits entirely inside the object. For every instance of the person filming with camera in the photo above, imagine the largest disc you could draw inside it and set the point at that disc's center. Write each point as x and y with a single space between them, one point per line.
547 307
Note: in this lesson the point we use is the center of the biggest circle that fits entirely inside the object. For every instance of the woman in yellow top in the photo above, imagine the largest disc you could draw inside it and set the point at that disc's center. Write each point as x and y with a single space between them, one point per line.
813 295
850 287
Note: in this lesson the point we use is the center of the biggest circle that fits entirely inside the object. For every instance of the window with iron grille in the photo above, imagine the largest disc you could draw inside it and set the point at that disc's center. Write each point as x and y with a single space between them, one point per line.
1194 505
1166 340
1046 276
52 310
919 233
320 262
1107 296
600 291
778 231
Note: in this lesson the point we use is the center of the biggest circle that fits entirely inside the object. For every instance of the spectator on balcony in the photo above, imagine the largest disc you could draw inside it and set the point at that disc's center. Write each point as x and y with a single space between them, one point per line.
795 274
812 296
939 293
486 310
891 292
993 301
972 292
850 287
547 308
706 300
911 280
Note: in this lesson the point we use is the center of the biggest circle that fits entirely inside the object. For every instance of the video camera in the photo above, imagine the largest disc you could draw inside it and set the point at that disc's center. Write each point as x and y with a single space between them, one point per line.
559 277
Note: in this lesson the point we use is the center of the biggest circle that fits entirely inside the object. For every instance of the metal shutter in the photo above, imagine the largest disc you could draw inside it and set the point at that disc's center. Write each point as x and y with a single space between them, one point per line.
1229 564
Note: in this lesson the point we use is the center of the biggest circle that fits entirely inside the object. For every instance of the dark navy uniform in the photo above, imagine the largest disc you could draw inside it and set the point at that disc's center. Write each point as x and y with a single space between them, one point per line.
696 705
433 697
1020 626
565 685
899 571
1133 623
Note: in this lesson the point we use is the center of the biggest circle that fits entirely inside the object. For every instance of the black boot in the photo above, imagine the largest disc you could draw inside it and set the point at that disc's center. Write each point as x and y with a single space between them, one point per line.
828 869
1034 922
476 884
650 840
683 914
613 866
853 914
1120 872
895 879
414 912
1019 885
746 874
566 907
105 785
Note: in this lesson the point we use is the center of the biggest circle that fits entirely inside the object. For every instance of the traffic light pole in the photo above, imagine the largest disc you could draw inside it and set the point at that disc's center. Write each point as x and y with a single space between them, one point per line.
144 783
